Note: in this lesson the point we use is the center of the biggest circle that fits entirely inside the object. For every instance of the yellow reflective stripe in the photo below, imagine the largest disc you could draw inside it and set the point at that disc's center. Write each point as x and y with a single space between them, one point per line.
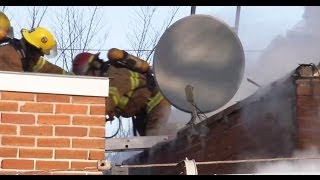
113 91
87 67
40 63
134 78
154 101
124 100
130 94
91 59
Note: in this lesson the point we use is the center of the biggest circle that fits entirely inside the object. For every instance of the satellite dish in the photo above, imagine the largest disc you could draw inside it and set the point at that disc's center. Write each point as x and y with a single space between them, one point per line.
201 52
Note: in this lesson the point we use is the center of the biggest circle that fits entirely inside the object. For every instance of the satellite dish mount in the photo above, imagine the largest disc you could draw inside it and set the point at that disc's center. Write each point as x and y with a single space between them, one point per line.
190 99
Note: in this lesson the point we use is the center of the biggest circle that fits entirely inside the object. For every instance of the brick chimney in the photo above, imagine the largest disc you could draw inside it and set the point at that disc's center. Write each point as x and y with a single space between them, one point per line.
308 104
51 124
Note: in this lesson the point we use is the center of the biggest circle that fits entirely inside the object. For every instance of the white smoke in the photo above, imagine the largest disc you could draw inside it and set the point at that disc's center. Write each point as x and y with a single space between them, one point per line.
177 120
299 45
302 166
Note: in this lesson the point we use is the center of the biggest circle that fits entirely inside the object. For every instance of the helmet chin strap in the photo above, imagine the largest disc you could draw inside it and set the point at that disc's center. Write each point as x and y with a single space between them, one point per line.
95 65
99 64
93 71
104 68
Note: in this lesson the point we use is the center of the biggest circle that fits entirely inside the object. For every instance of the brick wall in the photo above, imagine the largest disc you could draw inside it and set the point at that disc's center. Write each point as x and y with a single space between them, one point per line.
261 126
42 131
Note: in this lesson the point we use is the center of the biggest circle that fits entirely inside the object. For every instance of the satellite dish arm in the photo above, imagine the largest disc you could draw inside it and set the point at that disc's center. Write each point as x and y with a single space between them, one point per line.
236 26
189 96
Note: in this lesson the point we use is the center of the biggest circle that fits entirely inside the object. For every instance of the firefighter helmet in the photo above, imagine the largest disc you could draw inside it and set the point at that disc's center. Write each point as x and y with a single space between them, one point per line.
82 63
4 25
40 38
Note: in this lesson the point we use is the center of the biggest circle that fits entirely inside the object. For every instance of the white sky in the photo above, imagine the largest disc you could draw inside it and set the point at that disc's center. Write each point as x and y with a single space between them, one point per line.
263 21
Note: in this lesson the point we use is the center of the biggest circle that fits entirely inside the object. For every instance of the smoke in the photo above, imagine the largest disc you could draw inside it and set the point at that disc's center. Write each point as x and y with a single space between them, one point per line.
303 166
299 45
177 120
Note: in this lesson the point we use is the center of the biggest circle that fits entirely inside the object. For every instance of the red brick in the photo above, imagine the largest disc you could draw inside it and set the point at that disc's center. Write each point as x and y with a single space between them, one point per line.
307 113
71 109
307 144
77 173
54 119
47 165
307 134
8 106
71 154
303 81
36 130
97 132
17 164
82 165
97 110
88 100
37 107
53 142
71 131
316 89
53 98
10 172
304 90
308 102
20 96
8 152
18 141
8 129
309 123
96 155
35 153
54 172
88 143
18 118
89 121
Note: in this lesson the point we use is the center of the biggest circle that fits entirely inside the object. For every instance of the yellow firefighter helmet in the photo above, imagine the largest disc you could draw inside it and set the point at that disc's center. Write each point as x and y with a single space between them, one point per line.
4 25
40 38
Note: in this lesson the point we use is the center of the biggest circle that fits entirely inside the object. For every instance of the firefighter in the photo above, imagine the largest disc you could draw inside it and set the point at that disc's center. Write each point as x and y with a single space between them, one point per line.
26 54
132 93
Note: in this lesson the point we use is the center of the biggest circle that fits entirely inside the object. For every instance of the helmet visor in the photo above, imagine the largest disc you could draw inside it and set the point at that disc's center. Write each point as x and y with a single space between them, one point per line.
53 52
10 32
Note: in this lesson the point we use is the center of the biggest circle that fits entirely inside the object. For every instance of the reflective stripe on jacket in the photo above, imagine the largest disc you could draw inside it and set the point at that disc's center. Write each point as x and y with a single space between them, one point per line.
154 101
122 102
